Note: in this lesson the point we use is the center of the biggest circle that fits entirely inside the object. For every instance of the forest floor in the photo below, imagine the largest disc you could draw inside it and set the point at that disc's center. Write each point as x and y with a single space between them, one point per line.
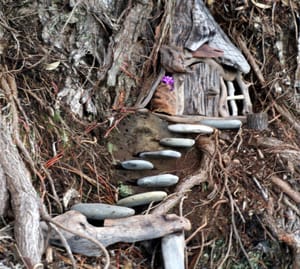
248 211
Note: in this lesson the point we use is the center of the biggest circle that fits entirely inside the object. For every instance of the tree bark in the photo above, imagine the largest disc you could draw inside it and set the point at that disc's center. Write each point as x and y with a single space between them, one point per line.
3 193
24 199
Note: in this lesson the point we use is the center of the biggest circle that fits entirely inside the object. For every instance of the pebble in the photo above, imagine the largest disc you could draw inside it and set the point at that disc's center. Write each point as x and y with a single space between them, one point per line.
222 123
164 180
100 211
190 128
137 165
177 142
161 153
142 198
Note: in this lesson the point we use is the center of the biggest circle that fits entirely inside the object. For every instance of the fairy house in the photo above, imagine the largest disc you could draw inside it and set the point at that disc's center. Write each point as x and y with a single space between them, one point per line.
205 66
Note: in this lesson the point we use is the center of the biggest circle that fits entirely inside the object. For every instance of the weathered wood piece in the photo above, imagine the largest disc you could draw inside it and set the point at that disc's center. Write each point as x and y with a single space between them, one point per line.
173 247
195 118
24 199
201 90
258 121
131 229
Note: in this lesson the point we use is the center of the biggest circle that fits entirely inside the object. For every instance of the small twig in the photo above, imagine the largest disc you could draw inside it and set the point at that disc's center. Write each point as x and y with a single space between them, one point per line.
181 206
288 116
51 181
47 218
236 233
228 250
64 243
252 61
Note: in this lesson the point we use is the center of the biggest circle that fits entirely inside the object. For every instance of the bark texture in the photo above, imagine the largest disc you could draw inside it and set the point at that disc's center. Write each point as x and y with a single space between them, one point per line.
24 199
3 193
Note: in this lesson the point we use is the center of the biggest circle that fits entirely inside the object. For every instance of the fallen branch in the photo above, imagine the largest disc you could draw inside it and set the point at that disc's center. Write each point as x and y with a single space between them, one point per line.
78 231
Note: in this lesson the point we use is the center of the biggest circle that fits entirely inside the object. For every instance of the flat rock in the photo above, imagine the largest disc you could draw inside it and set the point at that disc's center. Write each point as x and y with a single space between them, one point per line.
222 123
142 198
177 142
137 165
160 154
164 180
190 128
100 211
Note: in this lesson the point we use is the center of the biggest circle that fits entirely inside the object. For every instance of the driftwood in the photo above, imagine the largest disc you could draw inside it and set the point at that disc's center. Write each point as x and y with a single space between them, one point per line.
173 248
23 197
131 229
207 147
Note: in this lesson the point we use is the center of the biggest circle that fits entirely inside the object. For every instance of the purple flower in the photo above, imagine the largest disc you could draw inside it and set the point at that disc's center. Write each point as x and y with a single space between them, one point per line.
168 80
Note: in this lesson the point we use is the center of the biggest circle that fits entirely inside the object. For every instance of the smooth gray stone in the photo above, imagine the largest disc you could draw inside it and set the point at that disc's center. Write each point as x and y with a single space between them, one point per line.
190 128
173 246
177 142
142 198
99 211
167 153
164 180
137 165
222 123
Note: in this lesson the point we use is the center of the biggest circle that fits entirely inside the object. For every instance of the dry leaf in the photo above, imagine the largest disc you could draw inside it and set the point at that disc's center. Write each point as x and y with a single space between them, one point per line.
52 66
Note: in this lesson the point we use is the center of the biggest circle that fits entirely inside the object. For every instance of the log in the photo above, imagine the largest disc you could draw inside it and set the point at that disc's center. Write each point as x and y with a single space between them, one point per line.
131 229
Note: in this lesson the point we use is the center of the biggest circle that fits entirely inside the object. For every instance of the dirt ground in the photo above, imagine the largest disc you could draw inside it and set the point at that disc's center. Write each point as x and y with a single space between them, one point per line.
240 217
